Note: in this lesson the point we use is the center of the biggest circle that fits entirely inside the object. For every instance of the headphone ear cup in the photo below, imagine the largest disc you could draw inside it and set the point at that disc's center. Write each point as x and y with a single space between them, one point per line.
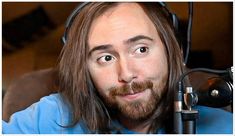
176 26
178 33
63 39
175 22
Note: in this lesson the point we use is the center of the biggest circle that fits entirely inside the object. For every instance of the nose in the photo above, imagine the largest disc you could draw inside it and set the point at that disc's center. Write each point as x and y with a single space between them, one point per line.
126 71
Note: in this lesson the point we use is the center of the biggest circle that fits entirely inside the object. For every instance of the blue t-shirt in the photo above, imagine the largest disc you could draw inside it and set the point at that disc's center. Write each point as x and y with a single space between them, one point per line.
50 113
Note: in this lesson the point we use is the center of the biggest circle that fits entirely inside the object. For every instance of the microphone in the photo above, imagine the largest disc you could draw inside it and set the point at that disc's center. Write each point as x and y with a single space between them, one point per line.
216 92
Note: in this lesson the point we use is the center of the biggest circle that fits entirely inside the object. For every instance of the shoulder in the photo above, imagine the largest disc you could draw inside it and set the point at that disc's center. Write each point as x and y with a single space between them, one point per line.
50 115
214 121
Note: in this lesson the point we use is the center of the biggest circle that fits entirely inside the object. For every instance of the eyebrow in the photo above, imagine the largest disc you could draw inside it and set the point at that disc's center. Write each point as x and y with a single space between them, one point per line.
100 47
137 38
128 41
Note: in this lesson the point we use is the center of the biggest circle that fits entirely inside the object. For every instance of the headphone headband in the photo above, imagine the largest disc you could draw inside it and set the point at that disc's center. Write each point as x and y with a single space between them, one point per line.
77 10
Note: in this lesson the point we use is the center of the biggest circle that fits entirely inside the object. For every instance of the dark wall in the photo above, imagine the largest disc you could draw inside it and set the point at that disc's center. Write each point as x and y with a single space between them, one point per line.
212 33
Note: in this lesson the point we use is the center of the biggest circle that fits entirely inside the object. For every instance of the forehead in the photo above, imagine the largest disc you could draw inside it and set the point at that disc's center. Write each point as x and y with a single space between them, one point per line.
123 21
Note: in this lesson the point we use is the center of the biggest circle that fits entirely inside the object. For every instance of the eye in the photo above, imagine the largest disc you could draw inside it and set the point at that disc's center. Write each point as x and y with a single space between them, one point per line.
105 59
141 50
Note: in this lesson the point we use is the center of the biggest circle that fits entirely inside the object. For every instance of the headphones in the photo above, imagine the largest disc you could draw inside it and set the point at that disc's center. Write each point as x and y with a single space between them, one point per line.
77 10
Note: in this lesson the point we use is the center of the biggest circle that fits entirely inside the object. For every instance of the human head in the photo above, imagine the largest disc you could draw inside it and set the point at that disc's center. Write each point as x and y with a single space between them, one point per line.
76 76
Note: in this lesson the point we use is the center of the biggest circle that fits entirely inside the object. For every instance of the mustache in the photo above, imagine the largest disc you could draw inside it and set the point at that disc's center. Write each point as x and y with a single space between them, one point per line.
134 87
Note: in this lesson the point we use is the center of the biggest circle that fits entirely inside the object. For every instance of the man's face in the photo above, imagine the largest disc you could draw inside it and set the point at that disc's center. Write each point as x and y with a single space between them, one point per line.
127 60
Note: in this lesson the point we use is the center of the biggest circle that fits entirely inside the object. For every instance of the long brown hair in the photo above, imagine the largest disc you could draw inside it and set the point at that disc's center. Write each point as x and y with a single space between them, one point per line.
76 84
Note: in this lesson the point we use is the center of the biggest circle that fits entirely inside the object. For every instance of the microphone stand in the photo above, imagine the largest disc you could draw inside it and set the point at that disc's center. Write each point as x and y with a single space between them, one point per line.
185 119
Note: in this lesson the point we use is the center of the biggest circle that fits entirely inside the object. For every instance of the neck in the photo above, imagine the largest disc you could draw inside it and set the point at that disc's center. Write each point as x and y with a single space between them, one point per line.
141 126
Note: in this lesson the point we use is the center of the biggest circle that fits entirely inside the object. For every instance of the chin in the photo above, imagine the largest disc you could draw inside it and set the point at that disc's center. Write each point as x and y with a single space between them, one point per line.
138 110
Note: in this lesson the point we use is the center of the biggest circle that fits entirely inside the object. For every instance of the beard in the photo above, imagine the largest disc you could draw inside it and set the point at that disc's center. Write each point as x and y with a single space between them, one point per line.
138 109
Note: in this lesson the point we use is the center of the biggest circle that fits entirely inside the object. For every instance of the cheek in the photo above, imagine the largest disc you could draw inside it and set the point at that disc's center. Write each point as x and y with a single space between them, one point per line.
103 79
153 66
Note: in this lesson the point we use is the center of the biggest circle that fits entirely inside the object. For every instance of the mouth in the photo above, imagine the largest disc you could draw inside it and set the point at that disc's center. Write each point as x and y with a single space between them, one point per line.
134 96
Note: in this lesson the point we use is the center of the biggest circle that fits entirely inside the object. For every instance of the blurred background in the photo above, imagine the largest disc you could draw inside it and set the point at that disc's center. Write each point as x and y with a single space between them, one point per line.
32 31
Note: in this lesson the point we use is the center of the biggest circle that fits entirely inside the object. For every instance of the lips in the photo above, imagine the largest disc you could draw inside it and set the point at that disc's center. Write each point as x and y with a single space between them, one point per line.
132 96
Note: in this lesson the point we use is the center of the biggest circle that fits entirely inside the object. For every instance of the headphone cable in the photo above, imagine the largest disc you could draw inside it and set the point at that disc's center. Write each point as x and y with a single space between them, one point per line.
189 32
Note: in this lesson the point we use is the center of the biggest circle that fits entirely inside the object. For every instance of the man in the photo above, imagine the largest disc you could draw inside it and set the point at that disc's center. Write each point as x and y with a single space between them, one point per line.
118 71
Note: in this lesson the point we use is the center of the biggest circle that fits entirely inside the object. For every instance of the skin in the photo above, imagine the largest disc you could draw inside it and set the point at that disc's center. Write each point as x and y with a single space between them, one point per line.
124 47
